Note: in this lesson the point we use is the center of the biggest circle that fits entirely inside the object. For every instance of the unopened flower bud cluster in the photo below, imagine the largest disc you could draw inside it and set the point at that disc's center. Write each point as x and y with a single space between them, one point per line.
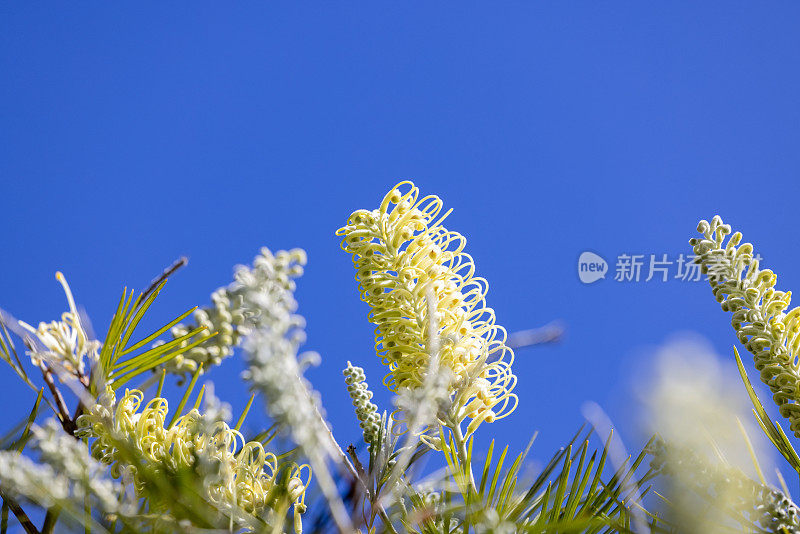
759 311
366 411
235 309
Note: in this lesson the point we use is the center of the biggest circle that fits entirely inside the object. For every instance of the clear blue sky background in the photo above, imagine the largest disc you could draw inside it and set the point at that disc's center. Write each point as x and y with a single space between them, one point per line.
132 135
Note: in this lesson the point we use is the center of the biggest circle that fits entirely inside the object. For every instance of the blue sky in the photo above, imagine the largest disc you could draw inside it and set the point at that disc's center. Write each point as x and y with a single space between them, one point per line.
131 135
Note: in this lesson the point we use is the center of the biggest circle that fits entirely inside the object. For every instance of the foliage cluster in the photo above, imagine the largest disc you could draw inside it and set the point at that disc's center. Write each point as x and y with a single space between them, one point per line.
122 460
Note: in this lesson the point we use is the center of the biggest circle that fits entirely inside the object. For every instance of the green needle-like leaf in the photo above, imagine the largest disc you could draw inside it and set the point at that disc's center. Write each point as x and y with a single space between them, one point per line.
158 332
134 322
23 439
772 430
486 466
240 422
177 413
151 359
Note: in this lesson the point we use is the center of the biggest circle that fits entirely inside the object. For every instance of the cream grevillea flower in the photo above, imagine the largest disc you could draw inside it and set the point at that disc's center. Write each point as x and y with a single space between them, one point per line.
65 341
247 473
401 252
762 325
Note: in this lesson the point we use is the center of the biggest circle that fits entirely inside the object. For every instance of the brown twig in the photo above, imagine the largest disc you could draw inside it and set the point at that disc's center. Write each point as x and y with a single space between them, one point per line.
351 450
354 472
169 271
66 421
50 519
20 514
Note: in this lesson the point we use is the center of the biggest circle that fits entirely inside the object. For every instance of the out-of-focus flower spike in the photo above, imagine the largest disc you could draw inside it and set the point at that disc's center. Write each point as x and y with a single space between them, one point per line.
236 310
276 370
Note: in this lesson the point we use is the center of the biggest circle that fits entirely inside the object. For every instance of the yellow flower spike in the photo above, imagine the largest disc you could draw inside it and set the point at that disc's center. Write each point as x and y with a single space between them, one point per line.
400 251
249 472
759 311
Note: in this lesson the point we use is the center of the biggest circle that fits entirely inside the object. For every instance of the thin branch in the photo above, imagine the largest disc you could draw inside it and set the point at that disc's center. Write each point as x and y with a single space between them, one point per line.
66 421
22 517
169 271
351 450
354 473
50 519
461 451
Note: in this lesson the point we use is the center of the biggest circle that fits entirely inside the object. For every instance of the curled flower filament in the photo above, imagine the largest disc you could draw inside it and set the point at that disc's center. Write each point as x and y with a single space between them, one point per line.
759 317
248 473
402 253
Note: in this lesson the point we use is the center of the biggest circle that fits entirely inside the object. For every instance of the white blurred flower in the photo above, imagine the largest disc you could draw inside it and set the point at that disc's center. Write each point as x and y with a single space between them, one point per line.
697 405
242 307
693 399
66 475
